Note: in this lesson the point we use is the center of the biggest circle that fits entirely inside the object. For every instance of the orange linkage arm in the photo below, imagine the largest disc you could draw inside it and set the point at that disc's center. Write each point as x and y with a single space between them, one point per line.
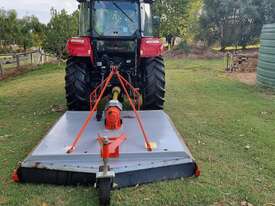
93 95
134 108
94 107
88 119
135 91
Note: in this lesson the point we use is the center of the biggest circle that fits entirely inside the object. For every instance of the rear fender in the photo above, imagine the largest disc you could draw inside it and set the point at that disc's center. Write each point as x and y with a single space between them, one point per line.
151 47
80 47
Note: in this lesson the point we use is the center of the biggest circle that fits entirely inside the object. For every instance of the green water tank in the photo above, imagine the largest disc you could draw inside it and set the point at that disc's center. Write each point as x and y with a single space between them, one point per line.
266 64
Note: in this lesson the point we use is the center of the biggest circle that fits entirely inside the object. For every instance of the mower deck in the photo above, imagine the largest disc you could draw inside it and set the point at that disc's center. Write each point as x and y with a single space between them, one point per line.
49 162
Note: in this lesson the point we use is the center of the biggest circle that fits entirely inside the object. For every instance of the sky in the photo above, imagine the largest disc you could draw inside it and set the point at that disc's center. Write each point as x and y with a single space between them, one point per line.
39 8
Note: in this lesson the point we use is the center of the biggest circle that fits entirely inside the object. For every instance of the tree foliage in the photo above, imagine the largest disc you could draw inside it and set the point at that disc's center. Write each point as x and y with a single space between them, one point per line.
173 15
61 27
228 22
28 31
234 22
19 31
192 21
8 26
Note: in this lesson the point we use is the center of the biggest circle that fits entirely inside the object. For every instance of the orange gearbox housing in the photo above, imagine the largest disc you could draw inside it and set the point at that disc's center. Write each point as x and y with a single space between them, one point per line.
113 120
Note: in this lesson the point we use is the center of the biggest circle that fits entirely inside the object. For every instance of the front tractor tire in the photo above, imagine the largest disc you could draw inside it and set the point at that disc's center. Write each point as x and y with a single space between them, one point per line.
77 84
153 91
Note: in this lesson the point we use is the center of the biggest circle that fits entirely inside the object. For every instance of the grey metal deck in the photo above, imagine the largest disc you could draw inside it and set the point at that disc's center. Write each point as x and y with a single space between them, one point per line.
51 153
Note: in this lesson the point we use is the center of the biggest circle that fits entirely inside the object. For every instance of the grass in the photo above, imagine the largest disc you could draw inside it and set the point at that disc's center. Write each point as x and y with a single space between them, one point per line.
229 127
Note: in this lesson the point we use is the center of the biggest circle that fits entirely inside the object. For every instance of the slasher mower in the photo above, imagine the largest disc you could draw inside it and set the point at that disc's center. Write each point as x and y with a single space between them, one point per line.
116 63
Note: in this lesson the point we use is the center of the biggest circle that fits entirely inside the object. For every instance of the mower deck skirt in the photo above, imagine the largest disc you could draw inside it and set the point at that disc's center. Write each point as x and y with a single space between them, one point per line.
49 162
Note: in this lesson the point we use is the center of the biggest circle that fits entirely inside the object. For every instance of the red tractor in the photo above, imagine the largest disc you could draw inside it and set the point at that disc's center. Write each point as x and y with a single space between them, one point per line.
116 57
122 33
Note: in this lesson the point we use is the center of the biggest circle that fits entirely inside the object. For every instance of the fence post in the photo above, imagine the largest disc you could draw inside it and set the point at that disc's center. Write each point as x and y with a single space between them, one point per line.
41 57
17 61
1 70
31 58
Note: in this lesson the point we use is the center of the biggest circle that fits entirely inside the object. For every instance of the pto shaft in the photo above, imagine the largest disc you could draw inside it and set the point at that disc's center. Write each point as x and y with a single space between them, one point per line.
116 91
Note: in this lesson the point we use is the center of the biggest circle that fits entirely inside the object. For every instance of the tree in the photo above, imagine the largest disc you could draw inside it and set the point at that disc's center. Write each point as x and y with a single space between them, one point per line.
25 32
38 32
173 15
217 15
8 26
234 22
266 11
61 27
192 21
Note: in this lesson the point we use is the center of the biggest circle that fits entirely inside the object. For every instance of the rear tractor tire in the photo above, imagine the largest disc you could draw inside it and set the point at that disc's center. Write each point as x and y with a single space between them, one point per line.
78 84
153 91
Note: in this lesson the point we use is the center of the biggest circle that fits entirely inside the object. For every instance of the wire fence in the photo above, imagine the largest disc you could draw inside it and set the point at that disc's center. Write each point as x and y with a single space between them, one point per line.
12 62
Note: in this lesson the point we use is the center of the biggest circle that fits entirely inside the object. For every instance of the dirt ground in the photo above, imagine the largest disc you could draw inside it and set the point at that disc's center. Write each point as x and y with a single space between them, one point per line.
248 78
12 72
246 71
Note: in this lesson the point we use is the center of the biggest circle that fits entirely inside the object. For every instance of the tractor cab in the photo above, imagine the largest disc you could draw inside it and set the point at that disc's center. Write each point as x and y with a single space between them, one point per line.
116 29
117 19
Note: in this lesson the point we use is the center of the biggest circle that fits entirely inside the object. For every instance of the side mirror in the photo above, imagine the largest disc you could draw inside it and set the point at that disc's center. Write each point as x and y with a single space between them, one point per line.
156 25
156 21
